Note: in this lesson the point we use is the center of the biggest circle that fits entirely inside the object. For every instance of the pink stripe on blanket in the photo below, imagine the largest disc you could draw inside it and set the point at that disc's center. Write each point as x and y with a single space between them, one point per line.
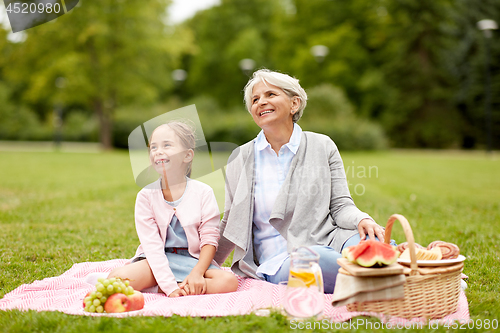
65 293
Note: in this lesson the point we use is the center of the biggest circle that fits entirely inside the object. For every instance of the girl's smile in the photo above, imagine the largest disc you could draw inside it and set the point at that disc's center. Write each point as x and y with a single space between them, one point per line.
167 154
161 161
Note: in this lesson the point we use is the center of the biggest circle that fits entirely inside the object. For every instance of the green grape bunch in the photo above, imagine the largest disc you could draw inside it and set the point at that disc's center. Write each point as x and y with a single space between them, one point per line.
94 300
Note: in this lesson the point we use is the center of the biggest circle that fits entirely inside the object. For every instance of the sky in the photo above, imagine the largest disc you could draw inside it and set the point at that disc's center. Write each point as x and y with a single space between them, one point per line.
183 9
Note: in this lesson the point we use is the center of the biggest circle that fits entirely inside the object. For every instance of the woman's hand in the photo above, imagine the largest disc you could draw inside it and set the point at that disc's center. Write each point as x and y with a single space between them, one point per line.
177 293
194 284
370 228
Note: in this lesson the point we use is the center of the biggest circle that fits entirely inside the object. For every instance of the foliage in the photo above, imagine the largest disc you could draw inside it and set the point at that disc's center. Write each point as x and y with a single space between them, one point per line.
79 126
224 35
70 208
108 54
329 112
130 117
18 122
414 67
468 56
421 111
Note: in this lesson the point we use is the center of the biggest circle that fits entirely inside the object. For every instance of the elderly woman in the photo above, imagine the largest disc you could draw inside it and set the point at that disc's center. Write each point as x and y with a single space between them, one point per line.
285 189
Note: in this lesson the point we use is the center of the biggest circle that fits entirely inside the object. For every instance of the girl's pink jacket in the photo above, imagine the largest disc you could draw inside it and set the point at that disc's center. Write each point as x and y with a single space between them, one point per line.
198 214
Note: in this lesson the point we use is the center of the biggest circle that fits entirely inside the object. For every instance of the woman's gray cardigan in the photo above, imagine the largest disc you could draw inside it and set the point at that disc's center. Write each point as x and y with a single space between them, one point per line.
313 207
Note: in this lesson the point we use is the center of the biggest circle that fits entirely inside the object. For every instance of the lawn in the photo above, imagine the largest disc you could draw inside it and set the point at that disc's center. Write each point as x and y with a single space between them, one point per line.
57 209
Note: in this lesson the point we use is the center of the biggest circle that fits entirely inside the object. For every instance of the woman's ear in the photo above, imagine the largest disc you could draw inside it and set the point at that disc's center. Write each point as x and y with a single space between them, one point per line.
189 156
295 104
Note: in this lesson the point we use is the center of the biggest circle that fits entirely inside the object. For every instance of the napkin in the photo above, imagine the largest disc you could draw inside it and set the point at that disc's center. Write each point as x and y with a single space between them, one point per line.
350 289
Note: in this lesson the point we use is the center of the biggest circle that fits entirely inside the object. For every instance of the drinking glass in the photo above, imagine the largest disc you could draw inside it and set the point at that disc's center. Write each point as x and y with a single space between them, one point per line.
303 295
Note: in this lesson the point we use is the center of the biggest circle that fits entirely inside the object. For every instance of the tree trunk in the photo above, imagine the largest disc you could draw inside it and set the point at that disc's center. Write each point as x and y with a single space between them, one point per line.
105 124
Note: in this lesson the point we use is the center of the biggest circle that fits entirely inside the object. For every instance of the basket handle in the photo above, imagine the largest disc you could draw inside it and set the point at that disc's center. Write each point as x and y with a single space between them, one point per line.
409 237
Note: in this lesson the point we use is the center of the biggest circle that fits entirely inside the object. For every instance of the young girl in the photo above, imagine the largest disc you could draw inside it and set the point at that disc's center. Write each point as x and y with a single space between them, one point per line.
177 221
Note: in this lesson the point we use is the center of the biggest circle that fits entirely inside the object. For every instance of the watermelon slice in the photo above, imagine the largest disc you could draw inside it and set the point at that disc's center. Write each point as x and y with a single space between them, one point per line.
347 253
371 253
359 249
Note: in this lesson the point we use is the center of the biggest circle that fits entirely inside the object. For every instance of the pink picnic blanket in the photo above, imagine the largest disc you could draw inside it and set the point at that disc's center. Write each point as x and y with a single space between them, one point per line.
65 293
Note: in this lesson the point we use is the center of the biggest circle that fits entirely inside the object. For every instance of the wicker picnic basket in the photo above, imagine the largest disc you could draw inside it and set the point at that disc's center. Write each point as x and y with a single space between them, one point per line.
430 292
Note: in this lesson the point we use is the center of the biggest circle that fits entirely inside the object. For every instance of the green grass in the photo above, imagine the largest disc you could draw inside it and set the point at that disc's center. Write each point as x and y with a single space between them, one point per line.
57 209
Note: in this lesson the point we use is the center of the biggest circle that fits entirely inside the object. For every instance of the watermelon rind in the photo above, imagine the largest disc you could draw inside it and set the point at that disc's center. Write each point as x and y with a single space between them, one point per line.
347 253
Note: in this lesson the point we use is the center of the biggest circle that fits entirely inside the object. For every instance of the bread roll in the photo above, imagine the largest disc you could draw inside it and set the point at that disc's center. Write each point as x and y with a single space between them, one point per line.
403 246
448 250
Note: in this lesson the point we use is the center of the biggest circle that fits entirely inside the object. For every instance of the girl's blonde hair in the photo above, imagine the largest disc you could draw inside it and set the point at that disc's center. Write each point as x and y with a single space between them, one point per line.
186 134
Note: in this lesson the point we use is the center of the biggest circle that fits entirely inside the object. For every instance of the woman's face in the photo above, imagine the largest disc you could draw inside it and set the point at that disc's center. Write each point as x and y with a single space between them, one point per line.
271 106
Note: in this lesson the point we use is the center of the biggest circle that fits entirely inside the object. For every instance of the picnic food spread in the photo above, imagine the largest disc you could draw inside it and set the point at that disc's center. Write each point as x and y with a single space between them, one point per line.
113 296
431 287
371 253
437 250
423 254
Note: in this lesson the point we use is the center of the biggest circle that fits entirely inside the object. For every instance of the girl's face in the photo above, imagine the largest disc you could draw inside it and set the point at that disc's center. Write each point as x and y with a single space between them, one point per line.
166 152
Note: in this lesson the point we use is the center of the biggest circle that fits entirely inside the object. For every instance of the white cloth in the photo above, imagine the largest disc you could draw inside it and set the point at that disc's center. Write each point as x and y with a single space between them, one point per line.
176 237
351 289
270 173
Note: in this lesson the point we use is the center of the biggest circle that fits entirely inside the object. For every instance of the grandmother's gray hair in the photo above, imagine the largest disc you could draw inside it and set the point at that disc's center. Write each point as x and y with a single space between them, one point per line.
285 82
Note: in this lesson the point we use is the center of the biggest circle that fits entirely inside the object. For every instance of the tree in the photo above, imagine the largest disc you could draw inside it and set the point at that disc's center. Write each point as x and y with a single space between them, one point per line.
279 35
468 66
226 34
421 112
109 53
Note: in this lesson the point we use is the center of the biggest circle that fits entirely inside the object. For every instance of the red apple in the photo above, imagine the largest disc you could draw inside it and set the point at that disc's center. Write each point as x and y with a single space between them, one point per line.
88 294
136 300
117 303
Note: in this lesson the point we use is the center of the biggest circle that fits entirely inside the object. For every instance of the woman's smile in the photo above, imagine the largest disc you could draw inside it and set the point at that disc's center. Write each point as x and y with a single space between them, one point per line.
270 104
262 113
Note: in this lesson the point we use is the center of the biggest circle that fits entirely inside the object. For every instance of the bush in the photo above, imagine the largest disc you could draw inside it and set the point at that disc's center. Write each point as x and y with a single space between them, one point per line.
329 112
127 118
19 122
234 125
328 101
351 134
79 126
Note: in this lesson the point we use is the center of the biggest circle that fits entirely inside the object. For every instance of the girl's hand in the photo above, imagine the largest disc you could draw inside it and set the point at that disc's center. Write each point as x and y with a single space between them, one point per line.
370 228
194 284
177 293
